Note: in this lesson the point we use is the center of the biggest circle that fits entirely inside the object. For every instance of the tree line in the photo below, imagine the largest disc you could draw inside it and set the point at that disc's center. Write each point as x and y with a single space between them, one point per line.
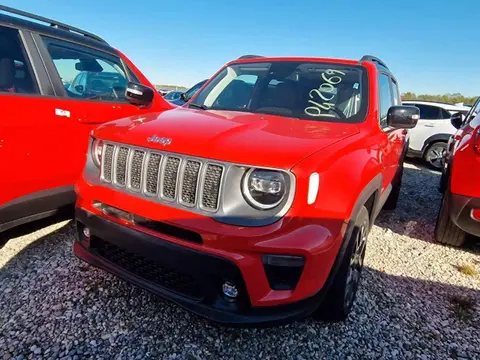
447 98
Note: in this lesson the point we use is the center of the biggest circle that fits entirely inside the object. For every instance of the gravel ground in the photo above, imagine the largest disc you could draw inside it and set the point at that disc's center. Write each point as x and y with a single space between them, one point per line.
413 303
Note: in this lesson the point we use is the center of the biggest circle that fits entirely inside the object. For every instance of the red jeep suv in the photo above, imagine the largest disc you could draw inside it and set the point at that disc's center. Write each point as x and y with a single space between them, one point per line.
251 203
48 111
459 213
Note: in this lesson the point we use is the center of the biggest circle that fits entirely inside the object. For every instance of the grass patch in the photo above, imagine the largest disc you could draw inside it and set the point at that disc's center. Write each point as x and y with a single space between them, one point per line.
463 306
467 269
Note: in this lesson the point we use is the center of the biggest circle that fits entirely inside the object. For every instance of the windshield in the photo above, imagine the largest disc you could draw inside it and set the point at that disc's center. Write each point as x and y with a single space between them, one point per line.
303 90
172 95
191 92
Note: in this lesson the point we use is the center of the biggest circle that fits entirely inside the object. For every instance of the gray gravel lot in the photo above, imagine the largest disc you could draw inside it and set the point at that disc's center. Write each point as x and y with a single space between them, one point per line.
413 302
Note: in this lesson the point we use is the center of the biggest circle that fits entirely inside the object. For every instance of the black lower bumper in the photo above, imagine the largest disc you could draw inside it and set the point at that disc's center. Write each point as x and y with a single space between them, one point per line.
187 277
460 213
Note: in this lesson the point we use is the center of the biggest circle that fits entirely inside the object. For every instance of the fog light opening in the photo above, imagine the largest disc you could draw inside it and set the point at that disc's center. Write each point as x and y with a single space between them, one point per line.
230 290
86 233
475 214
283 271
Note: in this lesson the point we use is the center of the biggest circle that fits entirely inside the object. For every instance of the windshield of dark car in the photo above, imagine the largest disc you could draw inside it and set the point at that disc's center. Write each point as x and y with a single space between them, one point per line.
304 90
173 95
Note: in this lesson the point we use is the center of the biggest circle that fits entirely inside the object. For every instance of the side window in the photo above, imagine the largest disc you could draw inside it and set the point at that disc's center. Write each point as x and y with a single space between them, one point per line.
15 71
98 75
396 95
428 112
444 114
385 98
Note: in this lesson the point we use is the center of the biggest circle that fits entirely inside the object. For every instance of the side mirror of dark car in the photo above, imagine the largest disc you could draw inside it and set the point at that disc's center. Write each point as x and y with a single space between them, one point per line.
79 88
139 94
403 116
184 97
457 120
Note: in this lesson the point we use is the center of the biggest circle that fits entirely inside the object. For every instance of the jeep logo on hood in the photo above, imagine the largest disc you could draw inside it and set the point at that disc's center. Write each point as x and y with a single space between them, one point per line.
159 140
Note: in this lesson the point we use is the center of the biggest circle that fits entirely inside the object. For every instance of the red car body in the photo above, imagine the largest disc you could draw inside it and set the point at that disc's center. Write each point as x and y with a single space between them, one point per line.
356 164
459 214
44 132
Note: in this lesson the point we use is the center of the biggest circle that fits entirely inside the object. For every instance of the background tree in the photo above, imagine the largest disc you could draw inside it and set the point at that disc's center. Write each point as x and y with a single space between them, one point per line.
447 98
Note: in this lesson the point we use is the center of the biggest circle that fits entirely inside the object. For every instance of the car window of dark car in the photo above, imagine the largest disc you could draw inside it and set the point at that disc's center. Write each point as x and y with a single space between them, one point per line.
193 90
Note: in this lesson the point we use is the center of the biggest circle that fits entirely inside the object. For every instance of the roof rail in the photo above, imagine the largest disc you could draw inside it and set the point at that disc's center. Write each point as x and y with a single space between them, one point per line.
250 57
373 59
52 23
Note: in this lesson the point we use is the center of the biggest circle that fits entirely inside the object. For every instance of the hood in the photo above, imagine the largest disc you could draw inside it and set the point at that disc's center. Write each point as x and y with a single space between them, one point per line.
238 137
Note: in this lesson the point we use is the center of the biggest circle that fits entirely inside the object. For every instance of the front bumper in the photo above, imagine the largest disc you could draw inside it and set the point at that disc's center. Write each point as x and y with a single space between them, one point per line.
460 213
188 277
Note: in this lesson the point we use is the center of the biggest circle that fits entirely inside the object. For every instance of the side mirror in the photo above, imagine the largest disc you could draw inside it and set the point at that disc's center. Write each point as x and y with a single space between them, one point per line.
79 88
184 97
139 94
403 116
457 120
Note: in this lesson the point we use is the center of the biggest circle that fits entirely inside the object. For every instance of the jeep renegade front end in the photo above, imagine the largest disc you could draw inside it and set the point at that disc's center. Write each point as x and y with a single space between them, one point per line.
250 204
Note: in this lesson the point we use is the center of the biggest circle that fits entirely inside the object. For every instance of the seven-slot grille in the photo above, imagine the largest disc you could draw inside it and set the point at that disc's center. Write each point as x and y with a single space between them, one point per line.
164 176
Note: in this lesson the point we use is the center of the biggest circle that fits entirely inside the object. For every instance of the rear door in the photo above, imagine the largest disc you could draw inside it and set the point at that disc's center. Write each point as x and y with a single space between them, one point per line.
27 98
434 120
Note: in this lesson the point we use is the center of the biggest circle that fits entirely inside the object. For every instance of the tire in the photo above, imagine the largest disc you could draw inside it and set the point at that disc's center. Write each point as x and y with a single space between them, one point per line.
442 186
392 200
434 155
340 296
446 232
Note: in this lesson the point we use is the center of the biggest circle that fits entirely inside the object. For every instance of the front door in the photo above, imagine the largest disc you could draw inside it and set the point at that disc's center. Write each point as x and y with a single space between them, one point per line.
44 127
93 92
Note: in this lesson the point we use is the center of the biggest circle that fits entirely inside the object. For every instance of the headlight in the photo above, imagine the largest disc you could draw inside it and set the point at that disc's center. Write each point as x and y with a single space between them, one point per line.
264 189
97 150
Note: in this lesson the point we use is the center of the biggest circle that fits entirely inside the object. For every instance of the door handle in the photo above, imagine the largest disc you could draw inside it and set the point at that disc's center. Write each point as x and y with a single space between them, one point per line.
429 125
62 112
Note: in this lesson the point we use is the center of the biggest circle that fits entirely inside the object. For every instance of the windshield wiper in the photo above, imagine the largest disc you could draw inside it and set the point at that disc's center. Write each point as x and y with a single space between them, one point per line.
198 106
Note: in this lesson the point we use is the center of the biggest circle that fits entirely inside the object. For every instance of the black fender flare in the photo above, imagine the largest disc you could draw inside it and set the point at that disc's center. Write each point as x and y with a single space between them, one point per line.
435 138
373 187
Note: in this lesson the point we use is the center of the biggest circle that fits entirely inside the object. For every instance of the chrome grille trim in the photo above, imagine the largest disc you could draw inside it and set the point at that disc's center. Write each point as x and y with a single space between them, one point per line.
189 178
170 176
151 180
120 160
202 194
147 175
107 159
135 168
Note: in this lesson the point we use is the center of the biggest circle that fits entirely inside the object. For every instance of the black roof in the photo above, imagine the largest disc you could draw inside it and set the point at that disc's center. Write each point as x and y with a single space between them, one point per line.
24 20
375 60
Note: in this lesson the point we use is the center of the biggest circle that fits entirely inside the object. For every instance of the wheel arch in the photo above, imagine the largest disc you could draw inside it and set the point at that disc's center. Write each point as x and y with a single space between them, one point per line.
370 195
442 137
370 198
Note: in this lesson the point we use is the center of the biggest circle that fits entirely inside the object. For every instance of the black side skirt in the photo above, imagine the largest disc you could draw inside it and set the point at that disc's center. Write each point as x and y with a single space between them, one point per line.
35 206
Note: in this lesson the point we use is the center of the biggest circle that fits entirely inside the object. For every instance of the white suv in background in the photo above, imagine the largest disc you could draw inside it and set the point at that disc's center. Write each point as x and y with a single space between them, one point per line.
428 140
